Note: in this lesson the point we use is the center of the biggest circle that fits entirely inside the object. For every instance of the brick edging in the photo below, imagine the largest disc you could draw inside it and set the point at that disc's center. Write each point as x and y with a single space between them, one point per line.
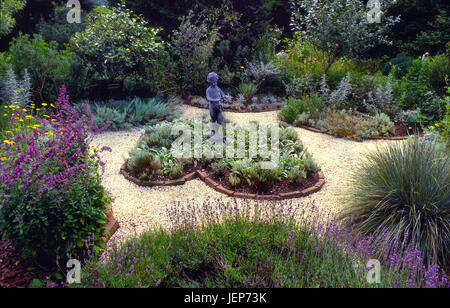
113 225
216 186
315 130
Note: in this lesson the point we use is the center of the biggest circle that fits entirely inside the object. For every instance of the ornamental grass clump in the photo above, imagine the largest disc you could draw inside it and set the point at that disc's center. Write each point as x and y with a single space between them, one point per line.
404 188
269 244
51 197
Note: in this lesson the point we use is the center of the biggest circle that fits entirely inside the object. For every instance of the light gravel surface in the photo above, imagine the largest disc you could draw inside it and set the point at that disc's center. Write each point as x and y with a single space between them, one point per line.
139 209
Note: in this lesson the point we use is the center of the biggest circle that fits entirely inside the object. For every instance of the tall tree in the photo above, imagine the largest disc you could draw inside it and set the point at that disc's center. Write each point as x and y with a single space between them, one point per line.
7 10
340 27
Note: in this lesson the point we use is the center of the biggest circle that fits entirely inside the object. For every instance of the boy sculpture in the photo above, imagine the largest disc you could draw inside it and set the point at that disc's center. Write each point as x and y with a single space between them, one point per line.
215 95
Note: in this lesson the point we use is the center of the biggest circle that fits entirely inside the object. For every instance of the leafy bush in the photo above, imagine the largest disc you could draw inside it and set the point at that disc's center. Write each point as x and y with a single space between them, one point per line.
56 28
48 67
404 189
194 43
216 244
7 9
219 167
51 195
421 87
116 43
399 64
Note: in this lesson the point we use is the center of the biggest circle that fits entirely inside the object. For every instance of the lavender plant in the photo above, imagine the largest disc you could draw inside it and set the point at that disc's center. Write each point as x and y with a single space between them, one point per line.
221 243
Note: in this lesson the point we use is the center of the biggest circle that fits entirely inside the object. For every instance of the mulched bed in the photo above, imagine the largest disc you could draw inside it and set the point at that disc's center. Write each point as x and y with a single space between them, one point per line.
14 273
281 190
401 132
278 188
247 108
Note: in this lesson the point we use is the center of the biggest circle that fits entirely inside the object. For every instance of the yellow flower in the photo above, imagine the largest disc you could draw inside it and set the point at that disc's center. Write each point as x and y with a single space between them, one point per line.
8 132
28 117
9 142
53 120
4 159
44 104
15 91
22 89
49 133
52 105
46 116
95 149
437 125
38 109
24 110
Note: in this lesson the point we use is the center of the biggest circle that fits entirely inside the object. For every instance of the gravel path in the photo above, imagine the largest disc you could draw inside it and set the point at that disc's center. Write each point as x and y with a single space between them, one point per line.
139 209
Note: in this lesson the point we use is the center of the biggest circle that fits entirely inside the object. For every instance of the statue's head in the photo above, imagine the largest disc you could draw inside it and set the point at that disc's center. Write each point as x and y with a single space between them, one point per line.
212 78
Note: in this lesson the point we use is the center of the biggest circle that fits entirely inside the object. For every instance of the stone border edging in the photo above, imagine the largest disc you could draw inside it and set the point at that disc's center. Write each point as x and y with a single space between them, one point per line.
315 130
216 186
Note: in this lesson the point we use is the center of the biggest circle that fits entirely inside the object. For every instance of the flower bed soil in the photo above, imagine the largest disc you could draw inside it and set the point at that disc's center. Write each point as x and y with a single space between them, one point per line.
247 108
14 273
282 190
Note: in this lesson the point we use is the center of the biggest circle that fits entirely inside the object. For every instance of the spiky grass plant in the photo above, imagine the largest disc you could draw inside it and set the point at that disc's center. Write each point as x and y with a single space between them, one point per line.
404 189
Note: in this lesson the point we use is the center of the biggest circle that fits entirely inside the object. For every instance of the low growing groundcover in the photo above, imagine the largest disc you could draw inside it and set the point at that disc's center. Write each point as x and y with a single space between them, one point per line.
218 244
155 159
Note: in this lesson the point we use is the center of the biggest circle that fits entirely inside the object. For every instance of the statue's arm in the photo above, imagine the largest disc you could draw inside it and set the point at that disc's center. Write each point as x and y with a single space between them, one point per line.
227 98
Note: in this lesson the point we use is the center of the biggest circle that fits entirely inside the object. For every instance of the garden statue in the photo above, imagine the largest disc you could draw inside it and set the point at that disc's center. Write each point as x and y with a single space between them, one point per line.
215 95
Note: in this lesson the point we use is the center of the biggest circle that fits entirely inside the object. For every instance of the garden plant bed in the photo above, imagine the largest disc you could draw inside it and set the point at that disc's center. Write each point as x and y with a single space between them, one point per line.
200 102
401 132
281 190
14 273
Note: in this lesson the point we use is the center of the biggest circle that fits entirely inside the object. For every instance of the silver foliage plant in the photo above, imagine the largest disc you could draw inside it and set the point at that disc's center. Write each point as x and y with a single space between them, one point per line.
342 92
15 90
339 27
257 74
382 100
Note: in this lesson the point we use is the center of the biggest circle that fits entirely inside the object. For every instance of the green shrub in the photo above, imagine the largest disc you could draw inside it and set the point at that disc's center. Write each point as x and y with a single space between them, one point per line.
248 90
295 174
51 195
311 105
115 43
290 112
404 188
399 64
219 167
47 66
143 163
176 170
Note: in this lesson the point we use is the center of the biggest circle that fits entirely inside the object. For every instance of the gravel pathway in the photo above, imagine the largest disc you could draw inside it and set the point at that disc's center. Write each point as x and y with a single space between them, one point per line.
139 209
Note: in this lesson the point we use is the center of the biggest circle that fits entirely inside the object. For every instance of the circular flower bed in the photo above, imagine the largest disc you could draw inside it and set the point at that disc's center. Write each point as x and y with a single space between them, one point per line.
282 168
